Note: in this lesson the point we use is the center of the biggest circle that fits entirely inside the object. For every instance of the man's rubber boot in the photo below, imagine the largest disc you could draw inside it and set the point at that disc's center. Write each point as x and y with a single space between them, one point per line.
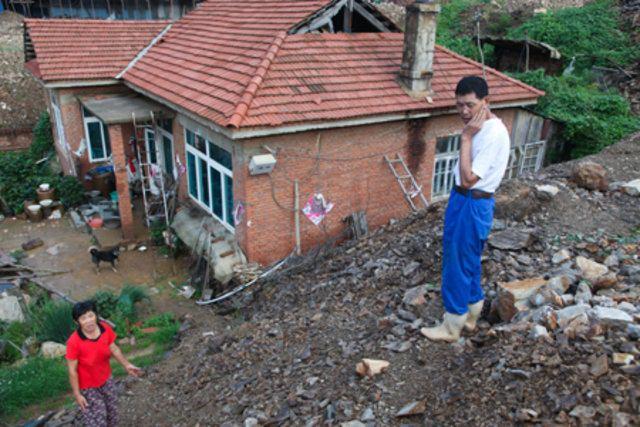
449 330
474 314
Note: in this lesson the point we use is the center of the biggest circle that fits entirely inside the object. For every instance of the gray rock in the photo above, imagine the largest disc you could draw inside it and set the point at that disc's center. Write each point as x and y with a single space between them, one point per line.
567 299
611 314
538 331
511 239
415 296
10 309
583 294
367 415
633 331
590 269
51 350
410 269
630 270
582 411
632 188
354 423
413 408
407 316
547 191
251 422
561 256
571 312
612 260
627 307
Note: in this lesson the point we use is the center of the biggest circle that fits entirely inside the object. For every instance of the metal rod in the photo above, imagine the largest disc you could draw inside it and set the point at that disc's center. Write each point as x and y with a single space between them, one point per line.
296 207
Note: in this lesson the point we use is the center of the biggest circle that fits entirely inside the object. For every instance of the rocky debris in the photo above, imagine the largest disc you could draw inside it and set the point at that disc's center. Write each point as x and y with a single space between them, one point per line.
591 270
561 256
10 308
511 239
415 296
632 188
413 408
547 191
590 175
51 350
371 367
32 244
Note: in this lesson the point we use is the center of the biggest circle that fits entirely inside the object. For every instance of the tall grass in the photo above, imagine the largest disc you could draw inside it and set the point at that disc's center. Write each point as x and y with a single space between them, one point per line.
54 322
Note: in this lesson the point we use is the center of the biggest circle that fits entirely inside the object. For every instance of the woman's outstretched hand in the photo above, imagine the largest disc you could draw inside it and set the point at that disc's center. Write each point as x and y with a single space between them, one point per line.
133 370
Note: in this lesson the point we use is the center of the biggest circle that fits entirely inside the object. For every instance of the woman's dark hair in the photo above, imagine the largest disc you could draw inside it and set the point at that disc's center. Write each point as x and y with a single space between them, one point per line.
83 307
472 84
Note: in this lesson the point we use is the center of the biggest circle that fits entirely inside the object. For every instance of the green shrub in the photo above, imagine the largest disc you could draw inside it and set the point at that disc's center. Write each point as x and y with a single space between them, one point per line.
54 321
16 333
591 33
592 119
30 383
69 190
42 144
106 302
121 310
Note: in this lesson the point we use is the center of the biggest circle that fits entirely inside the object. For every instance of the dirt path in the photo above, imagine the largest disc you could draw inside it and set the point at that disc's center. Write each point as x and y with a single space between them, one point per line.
66 248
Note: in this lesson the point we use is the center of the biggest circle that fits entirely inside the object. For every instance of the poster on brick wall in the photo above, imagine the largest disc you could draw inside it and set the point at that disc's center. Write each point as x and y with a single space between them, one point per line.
317 208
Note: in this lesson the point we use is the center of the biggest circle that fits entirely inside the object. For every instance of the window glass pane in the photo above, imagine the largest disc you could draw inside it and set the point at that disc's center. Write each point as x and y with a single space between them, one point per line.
220 155
167 147
193 181
94 137
107 141
191 138
201 144
228 188
151 147
216 192
204 180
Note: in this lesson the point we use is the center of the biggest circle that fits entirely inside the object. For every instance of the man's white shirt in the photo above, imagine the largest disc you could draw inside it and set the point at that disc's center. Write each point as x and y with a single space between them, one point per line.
490 149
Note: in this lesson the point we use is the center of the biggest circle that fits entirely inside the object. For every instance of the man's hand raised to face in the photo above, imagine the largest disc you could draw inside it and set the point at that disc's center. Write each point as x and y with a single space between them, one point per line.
475 124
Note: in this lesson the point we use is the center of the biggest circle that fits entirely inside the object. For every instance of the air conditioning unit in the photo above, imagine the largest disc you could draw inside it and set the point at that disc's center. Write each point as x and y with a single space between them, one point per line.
262 163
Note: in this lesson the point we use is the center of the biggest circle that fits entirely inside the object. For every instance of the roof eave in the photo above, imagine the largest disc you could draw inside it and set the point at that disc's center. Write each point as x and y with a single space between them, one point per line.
61 84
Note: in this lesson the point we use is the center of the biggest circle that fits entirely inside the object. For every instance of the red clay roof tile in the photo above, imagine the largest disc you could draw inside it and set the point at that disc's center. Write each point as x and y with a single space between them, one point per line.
87 49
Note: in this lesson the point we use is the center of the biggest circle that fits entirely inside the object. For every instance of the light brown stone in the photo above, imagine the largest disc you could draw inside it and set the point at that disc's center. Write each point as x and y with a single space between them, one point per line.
371 367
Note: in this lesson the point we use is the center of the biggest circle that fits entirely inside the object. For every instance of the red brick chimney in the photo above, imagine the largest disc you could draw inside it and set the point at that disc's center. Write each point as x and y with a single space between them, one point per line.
419 45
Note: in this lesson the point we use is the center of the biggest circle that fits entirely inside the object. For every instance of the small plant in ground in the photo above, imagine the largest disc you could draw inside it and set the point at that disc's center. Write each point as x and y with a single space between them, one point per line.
13 334
121 310
53 321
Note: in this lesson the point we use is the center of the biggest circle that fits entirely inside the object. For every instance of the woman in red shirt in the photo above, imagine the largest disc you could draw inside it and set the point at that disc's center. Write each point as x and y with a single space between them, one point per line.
89 349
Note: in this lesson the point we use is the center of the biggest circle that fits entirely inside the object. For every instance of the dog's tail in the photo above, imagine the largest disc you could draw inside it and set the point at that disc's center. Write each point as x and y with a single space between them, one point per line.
93 249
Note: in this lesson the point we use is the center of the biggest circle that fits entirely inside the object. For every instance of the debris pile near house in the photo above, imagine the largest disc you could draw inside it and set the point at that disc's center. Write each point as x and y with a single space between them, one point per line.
336 339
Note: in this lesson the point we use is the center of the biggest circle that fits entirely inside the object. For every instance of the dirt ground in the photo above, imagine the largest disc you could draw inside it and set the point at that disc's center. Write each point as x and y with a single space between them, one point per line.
66 249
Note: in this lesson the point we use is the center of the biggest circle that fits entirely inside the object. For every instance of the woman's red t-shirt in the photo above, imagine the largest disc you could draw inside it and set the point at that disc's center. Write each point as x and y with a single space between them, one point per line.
93 356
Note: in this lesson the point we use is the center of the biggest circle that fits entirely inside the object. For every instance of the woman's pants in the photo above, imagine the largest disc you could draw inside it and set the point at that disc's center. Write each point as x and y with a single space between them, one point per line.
102 409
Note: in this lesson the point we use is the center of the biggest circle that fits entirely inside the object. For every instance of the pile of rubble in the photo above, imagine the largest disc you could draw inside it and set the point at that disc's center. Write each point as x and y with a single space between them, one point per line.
334 339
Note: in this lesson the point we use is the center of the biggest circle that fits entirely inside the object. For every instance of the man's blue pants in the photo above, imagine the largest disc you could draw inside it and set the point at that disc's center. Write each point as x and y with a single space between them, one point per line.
467 223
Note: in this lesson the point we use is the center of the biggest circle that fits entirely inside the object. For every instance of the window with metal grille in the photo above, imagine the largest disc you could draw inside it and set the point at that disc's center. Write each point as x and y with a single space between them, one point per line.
447 152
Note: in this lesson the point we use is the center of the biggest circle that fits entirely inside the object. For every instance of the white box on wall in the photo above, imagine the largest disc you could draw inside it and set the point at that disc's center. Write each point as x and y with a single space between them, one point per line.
262 163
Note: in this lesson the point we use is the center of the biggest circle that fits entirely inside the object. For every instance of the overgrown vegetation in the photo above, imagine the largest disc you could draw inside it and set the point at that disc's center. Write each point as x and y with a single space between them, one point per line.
593 119
23 171
53 321
121 309
35 380
593 34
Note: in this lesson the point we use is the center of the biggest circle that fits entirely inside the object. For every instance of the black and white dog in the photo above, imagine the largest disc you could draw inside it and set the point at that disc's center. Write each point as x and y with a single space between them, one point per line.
110 256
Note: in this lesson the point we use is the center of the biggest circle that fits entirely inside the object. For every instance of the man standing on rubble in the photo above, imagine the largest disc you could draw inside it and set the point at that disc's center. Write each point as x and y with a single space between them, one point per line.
484 154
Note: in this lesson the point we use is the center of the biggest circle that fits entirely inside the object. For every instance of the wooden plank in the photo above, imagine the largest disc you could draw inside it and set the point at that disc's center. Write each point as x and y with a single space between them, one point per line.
369 17
322 19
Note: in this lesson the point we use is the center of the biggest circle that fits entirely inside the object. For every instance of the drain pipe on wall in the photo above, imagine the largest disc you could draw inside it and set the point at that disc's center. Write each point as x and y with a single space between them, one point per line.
296 208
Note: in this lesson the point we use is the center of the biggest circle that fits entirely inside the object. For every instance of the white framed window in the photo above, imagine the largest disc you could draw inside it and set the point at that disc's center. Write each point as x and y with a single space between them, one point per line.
164 145
150 145
210 177
513 167
532 156
97 137
447 153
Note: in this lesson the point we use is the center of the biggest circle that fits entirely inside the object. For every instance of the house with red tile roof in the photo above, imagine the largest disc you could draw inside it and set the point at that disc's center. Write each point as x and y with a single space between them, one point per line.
271 119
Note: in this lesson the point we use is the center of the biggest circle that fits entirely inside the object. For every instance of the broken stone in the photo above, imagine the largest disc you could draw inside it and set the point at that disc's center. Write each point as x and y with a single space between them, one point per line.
607 281
612 314
561 256
583 294
590 175
410 269
622 358
545 316
569 313
547 191
251 422
415 296
632 188
413 408
51 350
354 423
627 307
511 239
579 325
600 366
633 331
367 415
612 260
398 347
407 316
539 331
591 270
10 308
559 284
567 299
504 306
522 290
32 244
371 367
582 411
545 296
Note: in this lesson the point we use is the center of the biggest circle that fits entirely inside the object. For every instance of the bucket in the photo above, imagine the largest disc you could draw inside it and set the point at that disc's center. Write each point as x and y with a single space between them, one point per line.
43 195
34 212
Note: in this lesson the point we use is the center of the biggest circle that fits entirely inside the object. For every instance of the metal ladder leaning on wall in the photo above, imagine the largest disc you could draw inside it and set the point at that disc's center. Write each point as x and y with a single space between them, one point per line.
151 202
404 176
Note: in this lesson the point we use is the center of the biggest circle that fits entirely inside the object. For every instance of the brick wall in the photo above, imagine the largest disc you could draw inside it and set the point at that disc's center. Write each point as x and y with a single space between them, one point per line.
346 165
71 113
15 140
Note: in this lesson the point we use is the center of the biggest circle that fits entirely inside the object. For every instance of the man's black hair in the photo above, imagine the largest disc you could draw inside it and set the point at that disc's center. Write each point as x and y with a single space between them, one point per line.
83 307
472 84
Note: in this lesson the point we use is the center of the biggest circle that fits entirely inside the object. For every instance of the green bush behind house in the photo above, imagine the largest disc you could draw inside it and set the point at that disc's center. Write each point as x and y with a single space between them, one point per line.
592 119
